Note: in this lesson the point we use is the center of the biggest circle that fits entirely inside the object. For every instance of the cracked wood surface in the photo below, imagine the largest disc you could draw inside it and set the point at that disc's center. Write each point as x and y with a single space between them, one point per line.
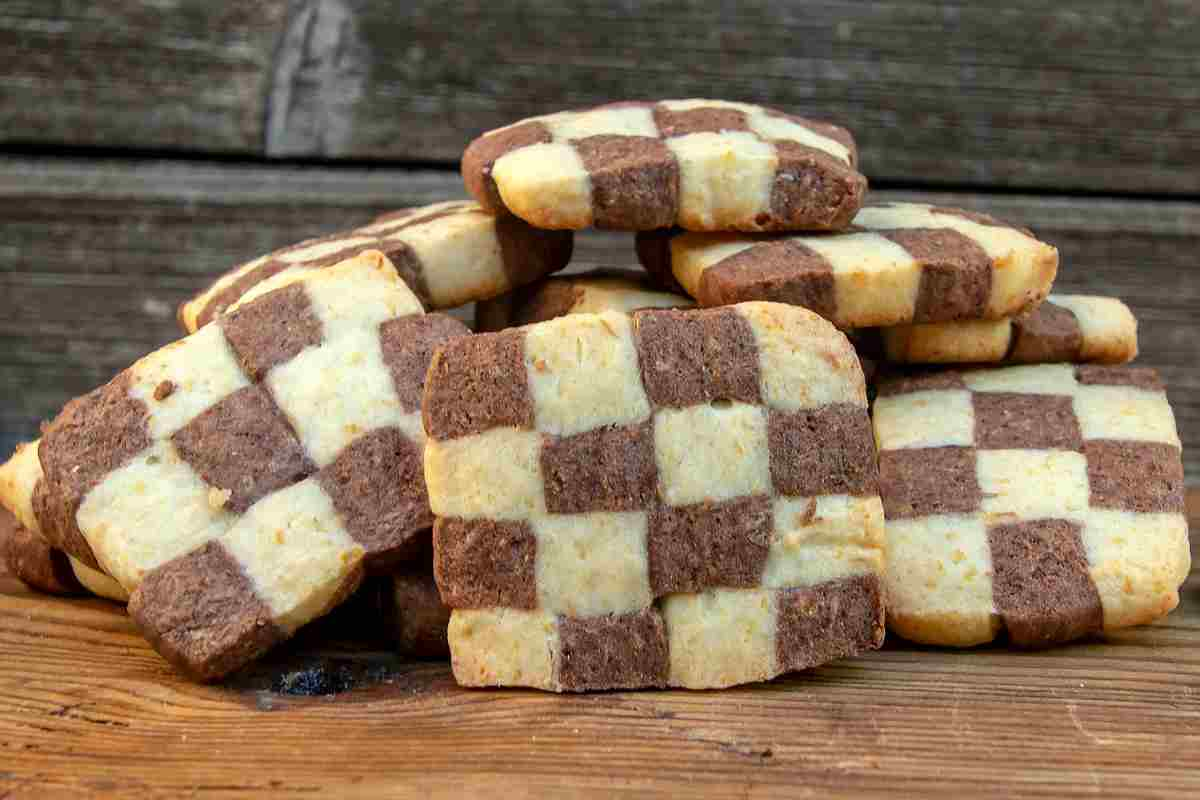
1079 94
87 708
94 257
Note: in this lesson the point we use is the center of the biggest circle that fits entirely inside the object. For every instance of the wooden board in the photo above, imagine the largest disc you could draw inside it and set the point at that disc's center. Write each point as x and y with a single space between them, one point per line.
87 709
189 74
95 256
1096 94
1083 94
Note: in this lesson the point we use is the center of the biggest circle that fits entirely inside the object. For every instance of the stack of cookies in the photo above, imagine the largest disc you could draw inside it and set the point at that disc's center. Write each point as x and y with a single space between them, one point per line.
634 478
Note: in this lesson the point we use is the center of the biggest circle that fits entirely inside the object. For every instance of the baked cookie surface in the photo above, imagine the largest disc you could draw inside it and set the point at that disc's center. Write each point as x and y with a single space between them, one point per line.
20 477
899 263
237 481
448 253
30 557
584 293
1071 328
629 500
32 561
1043 501
699 164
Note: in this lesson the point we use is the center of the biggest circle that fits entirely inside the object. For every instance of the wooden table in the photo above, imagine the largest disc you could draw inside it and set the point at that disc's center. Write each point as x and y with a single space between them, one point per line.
87 708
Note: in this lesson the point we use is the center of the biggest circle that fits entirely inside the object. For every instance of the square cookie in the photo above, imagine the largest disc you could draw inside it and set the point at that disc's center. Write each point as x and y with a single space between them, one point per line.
705 165
1073 328
448 253
1042 502
899 263
238 481
616 492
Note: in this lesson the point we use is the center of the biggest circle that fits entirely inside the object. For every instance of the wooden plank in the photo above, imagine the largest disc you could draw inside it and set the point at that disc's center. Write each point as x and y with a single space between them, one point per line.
1095 94
87 708
94 258
189 75
1078 94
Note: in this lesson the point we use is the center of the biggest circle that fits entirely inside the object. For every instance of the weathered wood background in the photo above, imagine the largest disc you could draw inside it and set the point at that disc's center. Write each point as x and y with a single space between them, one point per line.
145 146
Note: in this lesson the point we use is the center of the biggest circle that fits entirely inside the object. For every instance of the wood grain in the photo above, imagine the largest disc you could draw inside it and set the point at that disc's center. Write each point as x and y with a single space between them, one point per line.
94 257
87 708
1080 94
1073 94
181 75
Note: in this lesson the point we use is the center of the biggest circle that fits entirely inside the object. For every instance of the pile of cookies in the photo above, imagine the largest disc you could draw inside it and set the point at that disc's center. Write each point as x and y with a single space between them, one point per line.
626 478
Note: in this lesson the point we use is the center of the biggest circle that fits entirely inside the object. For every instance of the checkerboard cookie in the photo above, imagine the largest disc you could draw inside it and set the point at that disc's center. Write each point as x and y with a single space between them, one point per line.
400 610
448 253
584 293
666 497
20 479
1067 327
97 582
236 481
900 263
406 610
701 164
29 556
416 616
1043 501
32 561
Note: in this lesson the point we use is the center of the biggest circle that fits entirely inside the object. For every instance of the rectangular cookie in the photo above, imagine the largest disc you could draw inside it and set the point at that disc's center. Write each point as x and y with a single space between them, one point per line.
238 481
448 253
1072 328
679 498
899 263
708 165
1044 502
584 293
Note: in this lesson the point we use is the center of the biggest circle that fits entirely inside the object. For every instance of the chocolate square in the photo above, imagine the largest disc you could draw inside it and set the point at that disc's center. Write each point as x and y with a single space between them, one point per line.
408 344
690 357
956 273
1138 377
606 469
706 545
483 563
1049 333
201 613
922 481
377 485
817 624
1145 477
635 181
272 329
826 450
1041 585
781 270
613 651
710 119
1016 421
481 385
244 445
